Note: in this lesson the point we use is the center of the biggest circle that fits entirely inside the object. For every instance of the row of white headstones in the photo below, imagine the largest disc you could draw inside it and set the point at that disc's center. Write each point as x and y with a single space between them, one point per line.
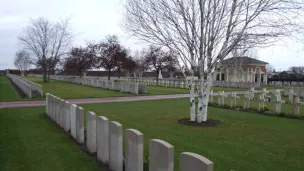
185 84
263 97
105 138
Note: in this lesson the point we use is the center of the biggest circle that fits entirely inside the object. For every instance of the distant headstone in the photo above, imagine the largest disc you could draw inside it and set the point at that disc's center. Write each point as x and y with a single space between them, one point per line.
80 125
73 108
194 162
102 138
91 131
115 146
161 156
134 150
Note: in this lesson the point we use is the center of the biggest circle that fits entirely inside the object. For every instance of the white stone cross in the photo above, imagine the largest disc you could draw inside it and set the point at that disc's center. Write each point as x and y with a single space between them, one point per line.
290 95
264 92
221 99
175 84
246 100
296 105
154 82
262 101
182 84
211 96
278 102
233 99
251 93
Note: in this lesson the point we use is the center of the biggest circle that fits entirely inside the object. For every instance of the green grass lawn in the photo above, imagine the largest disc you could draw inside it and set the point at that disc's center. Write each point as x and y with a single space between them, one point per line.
286 108
7 90
29 141
243 141
156 90
271 87
70 90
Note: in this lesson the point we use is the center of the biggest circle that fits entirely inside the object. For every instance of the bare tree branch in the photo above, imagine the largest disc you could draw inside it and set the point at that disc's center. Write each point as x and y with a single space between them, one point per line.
47 42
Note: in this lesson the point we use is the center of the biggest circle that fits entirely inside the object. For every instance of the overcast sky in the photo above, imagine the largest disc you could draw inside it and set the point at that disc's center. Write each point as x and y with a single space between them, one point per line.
92 20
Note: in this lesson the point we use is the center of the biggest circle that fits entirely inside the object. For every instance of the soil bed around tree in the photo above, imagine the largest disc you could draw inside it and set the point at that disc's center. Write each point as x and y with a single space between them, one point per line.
208 123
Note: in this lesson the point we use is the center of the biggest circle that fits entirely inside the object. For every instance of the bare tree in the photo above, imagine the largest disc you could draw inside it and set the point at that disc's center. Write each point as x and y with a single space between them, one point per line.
80 59
47 42
141 64
171 64
110 54
204 32
22 61
296 69
129 66
158 59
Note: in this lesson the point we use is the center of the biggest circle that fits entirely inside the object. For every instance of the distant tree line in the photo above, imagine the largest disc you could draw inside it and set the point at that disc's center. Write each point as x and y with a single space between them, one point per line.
295 74
110 55
47 45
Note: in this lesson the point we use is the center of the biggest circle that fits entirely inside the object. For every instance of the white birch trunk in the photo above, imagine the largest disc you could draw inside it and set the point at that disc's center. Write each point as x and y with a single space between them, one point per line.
200 103
203 99
192 101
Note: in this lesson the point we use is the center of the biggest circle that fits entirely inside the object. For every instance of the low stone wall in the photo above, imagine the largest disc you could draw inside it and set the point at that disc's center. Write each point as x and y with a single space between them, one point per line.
106 138
132 88
28 87
21 84
34 86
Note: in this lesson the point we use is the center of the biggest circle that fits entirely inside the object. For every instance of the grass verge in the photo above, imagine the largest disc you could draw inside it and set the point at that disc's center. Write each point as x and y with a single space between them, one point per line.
29 141
242 141
7 90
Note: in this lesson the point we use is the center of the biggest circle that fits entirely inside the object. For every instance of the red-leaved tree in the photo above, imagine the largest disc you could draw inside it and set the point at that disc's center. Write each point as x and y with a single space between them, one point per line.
109 53
80 59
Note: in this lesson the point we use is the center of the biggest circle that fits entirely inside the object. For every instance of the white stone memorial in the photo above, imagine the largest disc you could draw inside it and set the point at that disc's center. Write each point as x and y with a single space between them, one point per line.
102 137
134 158
194 162
161 156
73 108
80 125
91 131
115 146
67 117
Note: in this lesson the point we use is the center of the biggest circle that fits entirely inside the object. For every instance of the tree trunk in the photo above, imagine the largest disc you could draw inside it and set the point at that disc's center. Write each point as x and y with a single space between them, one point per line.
119 73
198 73
157 72
203 98
48 76
44 75
192 100
109 75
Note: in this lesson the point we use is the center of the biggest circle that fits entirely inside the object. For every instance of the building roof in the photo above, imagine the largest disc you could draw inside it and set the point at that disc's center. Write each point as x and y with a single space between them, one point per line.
242 60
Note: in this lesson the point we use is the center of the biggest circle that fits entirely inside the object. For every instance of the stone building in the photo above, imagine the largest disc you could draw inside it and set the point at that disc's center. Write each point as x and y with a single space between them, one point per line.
242 69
